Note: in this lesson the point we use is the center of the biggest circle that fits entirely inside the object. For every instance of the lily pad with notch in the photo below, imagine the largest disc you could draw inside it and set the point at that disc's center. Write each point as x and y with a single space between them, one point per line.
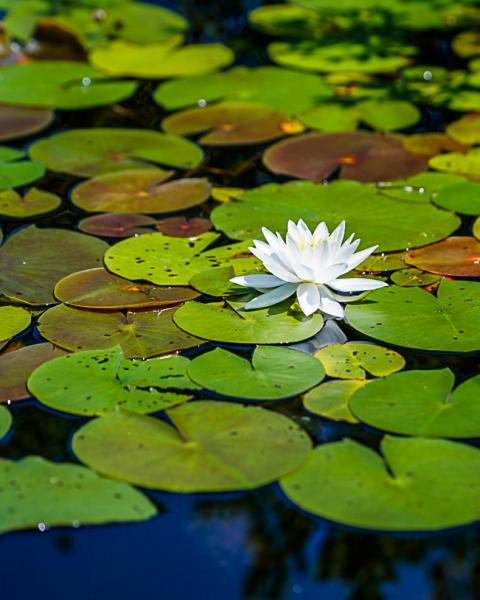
34 203
331 399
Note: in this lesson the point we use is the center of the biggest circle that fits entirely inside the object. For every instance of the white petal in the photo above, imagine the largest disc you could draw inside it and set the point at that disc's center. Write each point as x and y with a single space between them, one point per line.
356 284
331 273
308 297
331 307
258 281
321 231
273 297
359 257
338 233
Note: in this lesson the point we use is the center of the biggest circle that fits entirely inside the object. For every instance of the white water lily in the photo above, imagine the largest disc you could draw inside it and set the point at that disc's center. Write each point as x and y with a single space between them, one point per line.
310 265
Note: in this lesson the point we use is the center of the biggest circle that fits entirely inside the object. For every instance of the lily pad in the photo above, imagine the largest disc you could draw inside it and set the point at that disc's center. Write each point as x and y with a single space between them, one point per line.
467 164
376 218
420 484
216 282
329 118
5 421
466 130
382 263
96 382
231 324
67 85
16 367
33 260
100 290
463 198
40 493
182 227
15 172
421 403
165 260
139 191
34 203
356 360
414 318
116 225
358 155
331 399
140 334
413 278
458 256
21 121
159 61
212 446
476 228
388 115
274 373
13 320
90 152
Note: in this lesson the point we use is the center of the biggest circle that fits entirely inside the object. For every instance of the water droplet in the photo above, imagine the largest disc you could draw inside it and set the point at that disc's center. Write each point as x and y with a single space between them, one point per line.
428 75
86 81
202 103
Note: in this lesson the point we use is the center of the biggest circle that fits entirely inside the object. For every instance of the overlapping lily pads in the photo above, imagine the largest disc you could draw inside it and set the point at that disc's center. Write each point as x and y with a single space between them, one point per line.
5 421
331 399
463 198
467 164
14 171
13 320
21 121
34 203
183 227
458 256
116 225
212 446
412 277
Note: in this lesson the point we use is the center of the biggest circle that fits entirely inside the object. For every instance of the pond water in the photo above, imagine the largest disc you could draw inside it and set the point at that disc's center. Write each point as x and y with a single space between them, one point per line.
349 124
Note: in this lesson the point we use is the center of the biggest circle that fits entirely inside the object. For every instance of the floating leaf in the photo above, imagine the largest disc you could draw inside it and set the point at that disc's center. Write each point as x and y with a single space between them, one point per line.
463 198
467 164
329 118
212 446
5 421
458 256
331 399
96 382
90 152
98 289
231 324
384 262
476 228
35 202
16 367
13 320
388 115
37 492
21 121
181 227
414 318
15 172
216 282
421 403
139 191
274 373
422 485
466 130
116 225
413 278
422 187
140 334
429 144
355 360
33 260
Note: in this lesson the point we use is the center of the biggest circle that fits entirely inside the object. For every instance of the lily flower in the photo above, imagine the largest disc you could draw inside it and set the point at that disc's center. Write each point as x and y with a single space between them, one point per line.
309 265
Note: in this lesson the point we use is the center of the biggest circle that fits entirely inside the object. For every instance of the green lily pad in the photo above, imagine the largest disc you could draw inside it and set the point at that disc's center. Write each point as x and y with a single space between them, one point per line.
100 290
67 85
16 367
274 373
230 323
422 187
34 203
13 320
38 493
467 164
388 115
282 89
420 484
216 282
463 198
331 399
140 334
458 256
33 260
413 278
139 191
5 421
356 360
159 61
15 172
116 225
165 260
466 44
96 382
376 218
476 228
21 121
382 263
414 318
421 403
90 152
329 118
212 447
466 130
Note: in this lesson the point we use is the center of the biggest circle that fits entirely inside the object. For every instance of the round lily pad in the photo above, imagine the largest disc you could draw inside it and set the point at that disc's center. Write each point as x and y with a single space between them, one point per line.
413 278
98 381
16 367
34 203
5 421
419 485
21 121
90 152
182 227
33 260
356 360
98 289
216 282
15 172
431 143
13 320
467 164
463 198
159 61
37 492
116 225
211 447
140 334
139 191
358 155
168 260
388 115
382 263
458 256
415 318
230 323
466 130
274 373
330 118
421 403
331 399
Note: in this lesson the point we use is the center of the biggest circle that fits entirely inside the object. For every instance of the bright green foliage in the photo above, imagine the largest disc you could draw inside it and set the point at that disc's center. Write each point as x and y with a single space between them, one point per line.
331 399
463 198
14 171
467 164
5 421
13 320
216 281
413 278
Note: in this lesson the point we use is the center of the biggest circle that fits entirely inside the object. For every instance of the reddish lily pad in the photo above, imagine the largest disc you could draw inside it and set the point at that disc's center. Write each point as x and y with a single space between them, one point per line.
16 367
140 334
33 260
99 289
139 191
181 227
21 121
35 202
357 155
116 225
458 256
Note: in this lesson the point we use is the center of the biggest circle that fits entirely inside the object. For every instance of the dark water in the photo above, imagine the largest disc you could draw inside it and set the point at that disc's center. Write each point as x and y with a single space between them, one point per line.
228 546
